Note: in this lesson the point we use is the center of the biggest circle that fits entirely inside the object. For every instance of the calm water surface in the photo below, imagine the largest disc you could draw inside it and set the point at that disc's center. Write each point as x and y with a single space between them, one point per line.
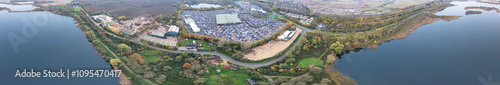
58 44
18 7
204 5
465 51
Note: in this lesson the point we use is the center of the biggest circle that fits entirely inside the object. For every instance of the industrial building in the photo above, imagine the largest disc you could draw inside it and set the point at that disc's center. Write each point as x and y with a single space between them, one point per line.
158 31
173 31
287 35
227 19
162 30
127 32
192 25
102 18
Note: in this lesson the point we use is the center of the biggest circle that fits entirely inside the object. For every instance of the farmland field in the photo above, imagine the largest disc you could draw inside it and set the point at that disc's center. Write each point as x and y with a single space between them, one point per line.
107 7
130 8
163 9
405 3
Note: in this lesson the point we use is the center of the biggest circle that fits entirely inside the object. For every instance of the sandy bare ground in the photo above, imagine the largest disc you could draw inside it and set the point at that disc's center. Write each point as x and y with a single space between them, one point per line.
223 63
123 78
115 29
270 49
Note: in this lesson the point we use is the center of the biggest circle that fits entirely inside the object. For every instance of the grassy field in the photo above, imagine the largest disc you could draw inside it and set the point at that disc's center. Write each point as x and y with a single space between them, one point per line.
77 9
149 59
276 16
131 8
405 3
309 61
150 55
150 52
226 77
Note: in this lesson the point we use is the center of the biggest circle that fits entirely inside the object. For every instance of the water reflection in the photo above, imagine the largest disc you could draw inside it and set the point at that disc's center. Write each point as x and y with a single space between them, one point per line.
19 7
457 52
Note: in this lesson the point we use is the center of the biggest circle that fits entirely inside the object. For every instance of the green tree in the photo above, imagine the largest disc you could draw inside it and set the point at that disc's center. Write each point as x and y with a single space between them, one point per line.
199 81
114 62
291 60
326 80
124 48
330 59
166 68
178 58
316 70
122 18
160 79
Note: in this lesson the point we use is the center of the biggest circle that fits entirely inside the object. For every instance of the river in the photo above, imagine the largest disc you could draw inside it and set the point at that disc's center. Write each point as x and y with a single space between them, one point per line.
49 42
465 51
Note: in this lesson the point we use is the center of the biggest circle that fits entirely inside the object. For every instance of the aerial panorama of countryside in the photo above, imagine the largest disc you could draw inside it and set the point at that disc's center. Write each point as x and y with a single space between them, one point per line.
249 42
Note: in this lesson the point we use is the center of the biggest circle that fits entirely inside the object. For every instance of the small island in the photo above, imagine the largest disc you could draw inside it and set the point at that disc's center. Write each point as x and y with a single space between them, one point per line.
472 12
483 8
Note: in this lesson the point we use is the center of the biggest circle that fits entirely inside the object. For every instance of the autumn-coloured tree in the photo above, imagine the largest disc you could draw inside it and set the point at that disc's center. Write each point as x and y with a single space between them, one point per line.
281 70
273 68
136 57
356 44
122 18
186 65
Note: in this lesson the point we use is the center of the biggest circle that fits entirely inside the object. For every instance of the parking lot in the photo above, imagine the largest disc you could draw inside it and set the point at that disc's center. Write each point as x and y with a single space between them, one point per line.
249 30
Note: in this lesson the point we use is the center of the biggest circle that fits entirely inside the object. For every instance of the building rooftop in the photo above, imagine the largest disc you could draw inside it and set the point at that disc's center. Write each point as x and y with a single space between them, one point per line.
159 31
227 19
173 29
189 20
194 27
127 32
252 82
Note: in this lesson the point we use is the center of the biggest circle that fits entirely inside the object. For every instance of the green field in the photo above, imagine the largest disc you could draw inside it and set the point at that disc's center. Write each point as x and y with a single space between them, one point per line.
150 55
149 59
77 9
150 52
405 3
309 61
226 77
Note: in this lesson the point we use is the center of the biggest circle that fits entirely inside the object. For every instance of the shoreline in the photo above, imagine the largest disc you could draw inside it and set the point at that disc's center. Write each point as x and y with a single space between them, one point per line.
123 78
405 32
428 19
422 23
497 3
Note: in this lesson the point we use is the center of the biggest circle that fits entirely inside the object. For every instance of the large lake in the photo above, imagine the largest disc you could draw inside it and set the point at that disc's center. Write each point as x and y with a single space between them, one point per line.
465 51
57 44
